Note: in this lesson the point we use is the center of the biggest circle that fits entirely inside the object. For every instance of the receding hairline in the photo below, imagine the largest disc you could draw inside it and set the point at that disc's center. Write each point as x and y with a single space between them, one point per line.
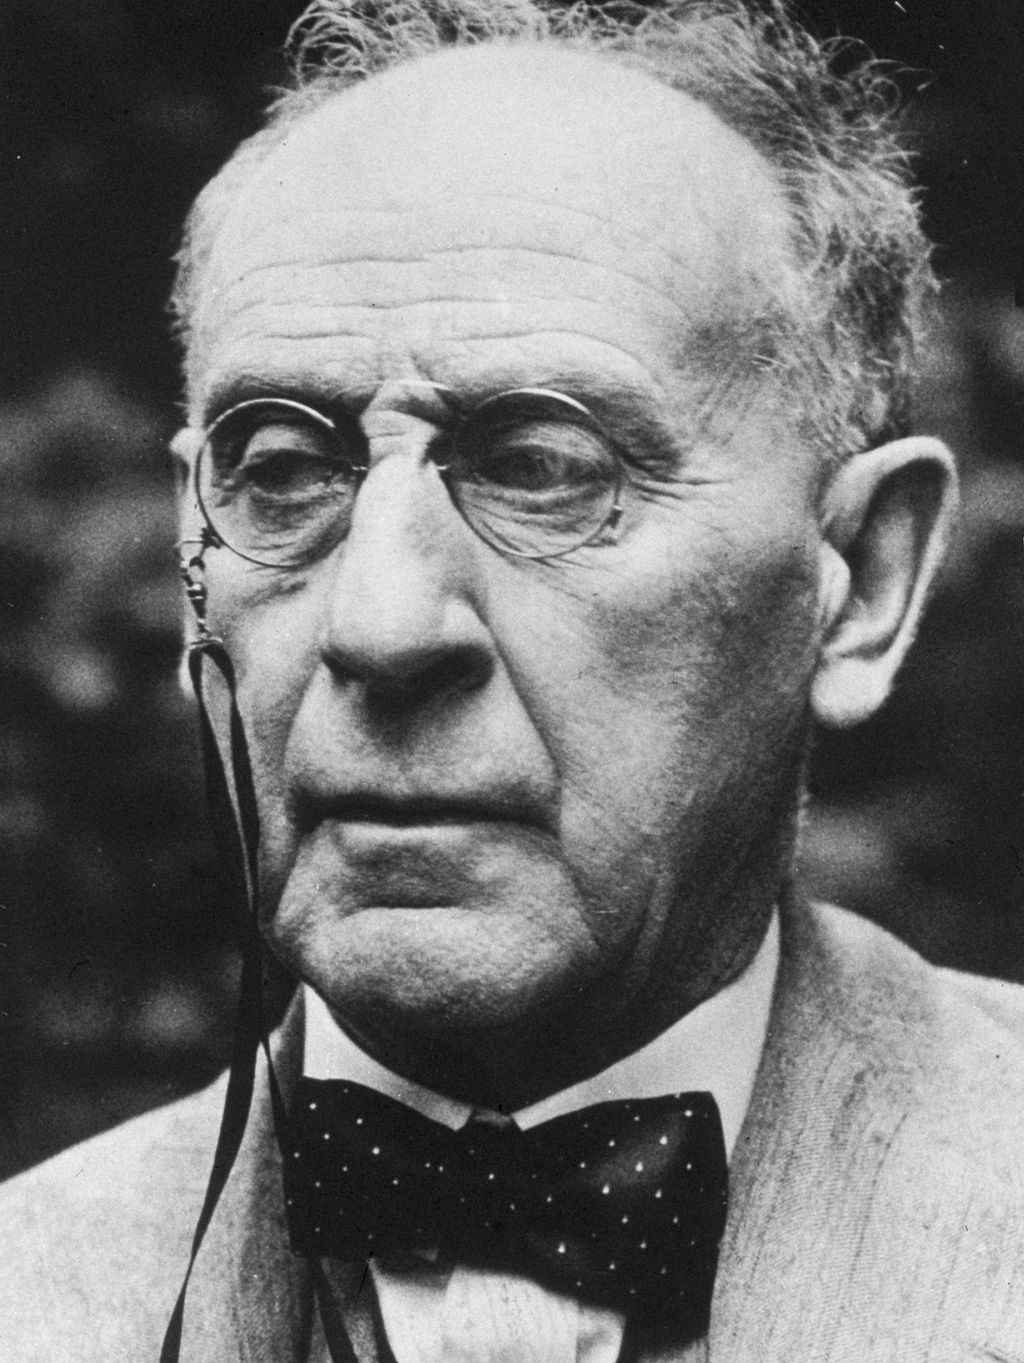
633 102
856 294
738 188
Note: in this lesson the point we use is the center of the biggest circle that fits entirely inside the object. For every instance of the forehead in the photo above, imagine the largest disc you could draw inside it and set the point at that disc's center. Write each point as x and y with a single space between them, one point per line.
479 202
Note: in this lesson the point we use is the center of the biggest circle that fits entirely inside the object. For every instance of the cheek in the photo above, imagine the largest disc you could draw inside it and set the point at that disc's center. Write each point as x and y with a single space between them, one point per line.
720 624
670 688
269 629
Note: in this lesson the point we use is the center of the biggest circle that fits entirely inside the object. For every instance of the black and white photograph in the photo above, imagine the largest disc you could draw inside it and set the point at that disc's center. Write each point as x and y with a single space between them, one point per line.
468 902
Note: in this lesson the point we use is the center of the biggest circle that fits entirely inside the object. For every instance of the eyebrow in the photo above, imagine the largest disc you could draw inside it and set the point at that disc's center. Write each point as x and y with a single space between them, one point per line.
636 413
586 385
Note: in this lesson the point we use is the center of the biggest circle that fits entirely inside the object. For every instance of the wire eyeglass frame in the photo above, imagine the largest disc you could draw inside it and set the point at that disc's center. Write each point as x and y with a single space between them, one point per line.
566 411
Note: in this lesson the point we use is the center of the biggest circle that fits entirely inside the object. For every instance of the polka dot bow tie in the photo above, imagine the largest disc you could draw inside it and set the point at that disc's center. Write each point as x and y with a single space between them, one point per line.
622 1204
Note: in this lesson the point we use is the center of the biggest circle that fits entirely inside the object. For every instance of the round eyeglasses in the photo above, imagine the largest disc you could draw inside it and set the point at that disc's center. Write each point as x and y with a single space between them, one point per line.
531 471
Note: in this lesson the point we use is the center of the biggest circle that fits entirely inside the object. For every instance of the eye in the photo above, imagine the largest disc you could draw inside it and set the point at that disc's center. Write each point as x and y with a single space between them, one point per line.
534 474
534 445
279 457
536 457
277 480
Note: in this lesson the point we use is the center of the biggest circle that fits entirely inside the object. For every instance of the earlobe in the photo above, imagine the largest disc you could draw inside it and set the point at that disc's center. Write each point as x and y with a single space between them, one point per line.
887 517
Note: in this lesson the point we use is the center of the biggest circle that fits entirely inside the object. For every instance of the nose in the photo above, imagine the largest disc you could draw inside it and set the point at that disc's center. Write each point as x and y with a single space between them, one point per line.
402 615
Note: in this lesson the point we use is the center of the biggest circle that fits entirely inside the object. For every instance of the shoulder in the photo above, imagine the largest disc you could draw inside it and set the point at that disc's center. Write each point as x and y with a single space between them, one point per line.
118 1208
939 1029
943 1049
880 1177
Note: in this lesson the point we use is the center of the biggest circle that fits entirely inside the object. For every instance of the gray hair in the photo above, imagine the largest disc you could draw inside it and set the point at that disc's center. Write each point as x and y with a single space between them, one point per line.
846 335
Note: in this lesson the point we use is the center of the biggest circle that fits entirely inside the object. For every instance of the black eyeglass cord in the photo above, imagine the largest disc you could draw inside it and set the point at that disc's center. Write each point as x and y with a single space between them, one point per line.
236 832
236 838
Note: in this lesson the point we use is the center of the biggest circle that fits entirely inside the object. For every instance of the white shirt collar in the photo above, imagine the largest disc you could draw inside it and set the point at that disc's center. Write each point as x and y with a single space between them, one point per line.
716 1047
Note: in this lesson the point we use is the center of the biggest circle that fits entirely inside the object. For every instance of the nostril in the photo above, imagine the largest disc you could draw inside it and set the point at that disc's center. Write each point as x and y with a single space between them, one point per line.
455 670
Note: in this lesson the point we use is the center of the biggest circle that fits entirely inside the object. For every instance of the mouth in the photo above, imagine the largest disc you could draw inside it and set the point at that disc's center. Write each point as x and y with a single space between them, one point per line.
421 811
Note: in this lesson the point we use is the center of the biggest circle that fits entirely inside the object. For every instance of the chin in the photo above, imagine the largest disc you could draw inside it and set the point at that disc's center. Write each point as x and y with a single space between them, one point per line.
438 971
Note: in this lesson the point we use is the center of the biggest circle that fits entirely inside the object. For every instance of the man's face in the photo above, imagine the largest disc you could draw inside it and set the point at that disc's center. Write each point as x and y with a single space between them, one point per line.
509 798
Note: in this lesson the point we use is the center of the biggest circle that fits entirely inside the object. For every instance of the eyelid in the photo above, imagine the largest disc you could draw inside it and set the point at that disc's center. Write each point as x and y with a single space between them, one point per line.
297 436
314 417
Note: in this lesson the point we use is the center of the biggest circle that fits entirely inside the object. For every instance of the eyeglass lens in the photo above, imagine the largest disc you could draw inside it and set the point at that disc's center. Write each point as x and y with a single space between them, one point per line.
531 472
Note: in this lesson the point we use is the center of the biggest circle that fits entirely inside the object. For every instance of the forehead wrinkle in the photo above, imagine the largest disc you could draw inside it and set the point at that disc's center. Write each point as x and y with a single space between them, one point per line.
325 320
285 308
364 294
546 350
469 316
385 283
426 230
611 232
636 376
608 367
502 280
614 229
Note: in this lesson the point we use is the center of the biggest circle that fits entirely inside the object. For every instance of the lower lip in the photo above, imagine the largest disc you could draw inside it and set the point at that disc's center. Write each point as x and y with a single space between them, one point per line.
412 829
424 864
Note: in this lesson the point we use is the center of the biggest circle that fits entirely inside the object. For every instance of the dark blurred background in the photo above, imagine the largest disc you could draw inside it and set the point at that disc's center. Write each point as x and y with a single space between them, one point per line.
117 961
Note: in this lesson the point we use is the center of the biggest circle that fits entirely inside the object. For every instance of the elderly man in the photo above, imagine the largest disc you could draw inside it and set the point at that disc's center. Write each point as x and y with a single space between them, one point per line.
546 480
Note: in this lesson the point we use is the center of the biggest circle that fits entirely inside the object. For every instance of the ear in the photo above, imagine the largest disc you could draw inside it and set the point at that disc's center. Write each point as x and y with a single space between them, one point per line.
888 513
184 450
